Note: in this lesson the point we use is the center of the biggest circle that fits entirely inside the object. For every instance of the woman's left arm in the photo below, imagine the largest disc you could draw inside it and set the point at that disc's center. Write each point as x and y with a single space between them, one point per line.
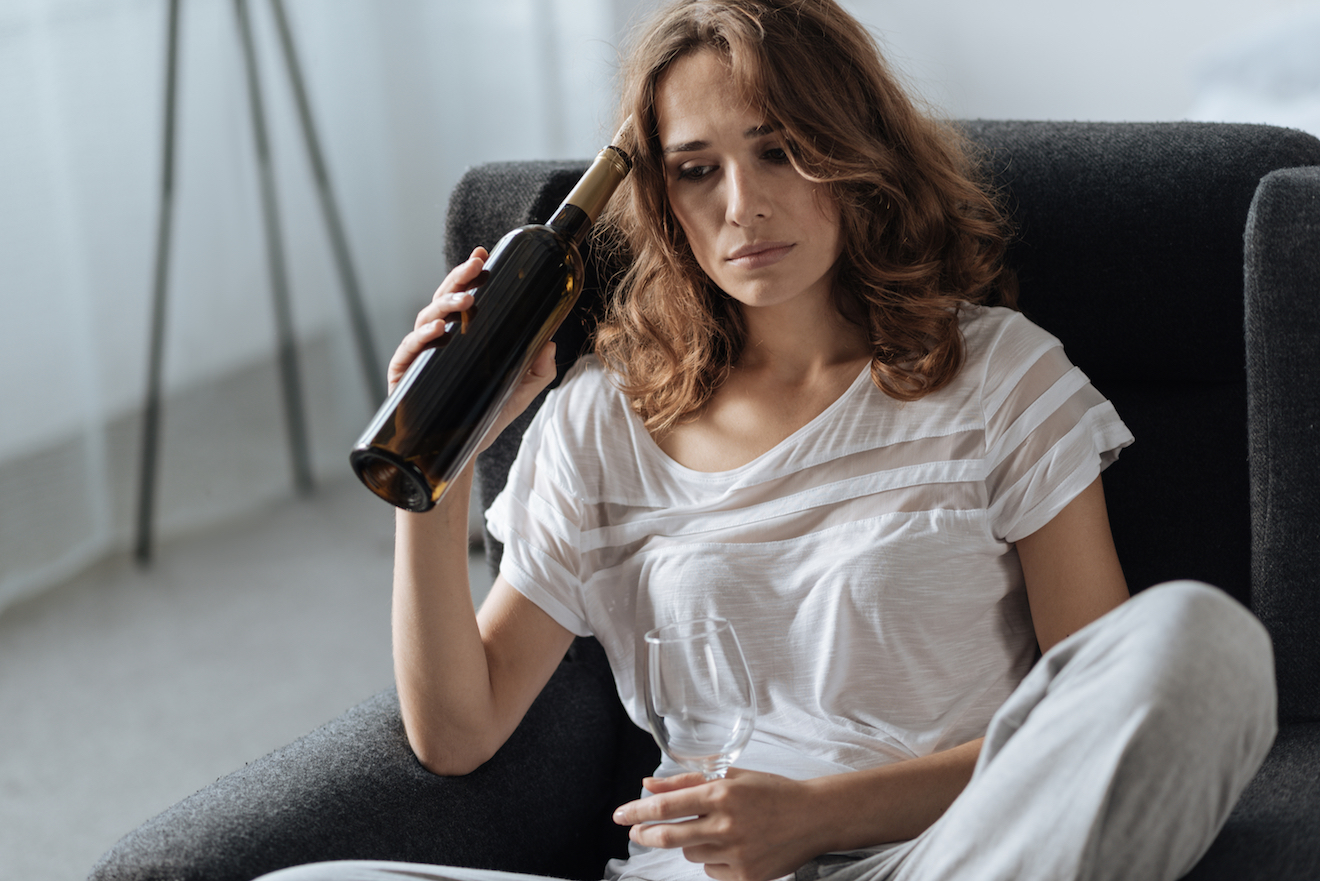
1071 568
754 827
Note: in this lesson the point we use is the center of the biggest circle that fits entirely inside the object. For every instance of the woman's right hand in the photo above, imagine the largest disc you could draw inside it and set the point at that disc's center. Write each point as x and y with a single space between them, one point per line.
451 299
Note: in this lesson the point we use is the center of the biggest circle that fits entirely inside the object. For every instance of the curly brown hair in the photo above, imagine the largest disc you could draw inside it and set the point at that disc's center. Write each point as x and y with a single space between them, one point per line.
923 235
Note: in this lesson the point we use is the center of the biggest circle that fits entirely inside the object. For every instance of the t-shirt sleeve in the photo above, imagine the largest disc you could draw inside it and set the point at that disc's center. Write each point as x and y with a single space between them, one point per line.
1049 433
537 517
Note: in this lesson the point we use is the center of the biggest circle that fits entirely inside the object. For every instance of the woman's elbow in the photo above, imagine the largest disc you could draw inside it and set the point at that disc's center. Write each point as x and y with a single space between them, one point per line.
450 756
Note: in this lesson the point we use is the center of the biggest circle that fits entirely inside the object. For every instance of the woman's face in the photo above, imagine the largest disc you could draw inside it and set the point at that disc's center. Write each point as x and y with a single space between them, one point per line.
762 232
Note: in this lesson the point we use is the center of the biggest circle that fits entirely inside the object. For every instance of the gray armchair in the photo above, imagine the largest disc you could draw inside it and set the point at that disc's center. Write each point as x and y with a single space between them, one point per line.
1131 250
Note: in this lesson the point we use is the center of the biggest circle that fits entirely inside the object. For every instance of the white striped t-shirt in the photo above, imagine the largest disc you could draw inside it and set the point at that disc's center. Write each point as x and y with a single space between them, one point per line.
866 562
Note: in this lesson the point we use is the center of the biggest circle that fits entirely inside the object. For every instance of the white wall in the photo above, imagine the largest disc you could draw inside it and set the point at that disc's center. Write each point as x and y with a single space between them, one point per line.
1120 60
407 94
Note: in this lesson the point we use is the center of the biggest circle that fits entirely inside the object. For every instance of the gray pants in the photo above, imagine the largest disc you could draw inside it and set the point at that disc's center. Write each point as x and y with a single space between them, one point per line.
1118 757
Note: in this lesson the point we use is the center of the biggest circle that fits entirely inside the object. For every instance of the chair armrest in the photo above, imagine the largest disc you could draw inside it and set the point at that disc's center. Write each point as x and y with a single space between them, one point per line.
353 789
1283 412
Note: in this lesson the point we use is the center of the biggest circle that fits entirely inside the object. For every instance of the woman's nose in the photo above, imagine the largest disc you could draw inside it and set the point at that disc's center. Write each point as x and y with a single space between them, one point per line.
748 198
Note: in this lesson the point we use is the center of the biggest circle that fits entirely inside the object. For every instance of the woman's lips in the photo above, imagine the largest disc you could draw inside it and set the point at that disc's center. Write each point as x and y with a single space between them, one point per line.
760 254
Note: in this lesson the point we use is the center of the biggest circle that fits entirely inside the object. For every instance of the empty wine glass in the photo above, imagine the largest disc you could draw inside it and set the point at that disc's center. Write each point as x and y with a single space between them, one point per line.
699 699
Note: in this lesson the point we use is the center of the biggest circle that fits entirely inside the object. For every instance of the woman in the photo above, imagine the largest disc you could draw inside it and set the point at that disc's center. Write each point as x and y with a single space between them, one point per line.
802 417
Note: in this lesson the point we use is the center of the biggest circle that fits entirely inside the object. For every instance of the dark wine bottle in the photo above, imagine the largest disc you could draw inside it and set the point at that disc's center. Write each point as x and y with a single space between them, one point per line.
428 429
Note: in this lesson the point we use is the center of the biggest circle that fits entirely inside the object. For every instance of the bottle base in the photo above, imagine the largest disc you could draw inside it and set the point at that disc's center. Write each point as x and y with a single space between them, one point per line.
400 483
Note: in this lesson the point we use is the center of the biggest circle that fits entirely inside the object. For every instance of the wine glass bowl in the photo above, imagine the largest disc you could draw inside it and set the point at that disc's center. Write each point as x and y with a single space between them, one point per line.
700 704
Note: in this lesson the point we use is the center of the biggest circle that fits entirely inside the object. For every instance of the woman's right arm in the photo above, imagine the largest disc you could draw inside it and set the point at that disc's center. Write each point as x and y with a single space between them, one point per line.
464 680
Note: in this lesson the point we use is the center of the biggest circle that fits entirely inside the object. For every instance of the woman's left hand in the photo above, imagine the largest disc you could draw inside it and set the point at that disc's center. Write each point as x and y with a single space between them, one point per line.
749 826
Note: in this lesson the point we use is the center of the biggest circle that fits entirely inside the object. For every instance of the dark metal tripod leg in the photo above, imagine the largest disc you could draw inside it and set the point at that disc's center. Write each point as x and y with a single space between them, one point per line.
156 344
371 367
288 355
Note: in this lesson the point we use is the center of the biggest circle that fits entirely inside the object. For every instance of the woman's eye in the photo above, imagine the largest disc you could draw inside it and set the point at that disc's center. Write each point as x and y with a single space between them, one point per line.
777 155
694 172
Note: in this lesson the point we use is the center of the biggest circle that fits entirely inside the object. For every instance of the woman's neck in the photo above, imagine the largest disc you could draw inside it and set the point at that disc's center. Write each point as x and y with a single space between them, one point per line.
795 344
795 363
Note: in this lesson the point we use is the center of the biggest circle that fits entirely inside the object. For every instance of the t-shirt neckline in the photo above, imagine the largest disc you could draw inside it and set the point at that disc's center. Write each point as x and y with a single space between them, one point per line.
655 452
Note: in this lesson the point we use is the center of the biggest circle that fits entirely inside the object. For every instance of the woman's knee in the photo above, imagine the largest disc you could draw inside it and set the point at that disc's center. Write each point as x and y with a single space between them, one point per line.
1207 618
1215 654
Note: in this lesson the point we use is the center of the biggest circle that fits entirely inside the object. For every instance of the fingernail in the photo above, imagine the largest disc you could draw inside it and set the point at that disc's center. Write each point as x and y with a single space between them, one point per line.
619 816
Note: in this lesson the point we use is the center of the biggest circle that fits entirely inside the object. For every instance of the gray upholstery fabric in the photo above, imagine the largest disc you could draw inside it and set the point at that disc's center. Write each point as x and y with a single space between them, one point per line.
1273 830
1131 251
1283 370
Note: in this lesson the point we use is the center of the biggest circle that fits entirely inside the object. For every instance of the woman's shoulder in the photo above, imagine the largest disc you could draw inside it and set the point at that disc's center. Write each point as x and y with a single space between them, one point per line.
587 403
986 324
1002 340
586 385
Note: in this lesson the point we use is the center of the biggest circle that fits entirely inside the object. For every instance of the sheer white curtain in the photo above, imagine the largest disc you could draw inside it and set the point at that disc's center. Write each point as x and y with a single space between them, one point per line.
405 94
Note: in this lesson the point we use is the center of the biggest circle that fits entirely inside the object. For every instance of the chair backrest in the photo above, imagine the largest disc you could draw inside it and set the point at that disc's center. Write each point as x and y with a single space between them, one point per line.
1130 250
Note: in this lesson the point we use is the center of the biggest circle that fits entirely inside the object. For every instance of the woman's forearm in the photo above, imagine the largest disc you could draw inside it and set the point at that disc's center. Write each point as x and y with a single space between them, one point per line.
465 680
439 661
759 826
891 803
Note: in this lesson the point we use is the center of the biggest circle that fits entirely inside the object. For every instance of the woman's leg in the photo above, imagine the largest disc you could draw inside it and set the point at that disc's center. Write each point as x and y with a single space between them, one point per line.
1122 752
1118 757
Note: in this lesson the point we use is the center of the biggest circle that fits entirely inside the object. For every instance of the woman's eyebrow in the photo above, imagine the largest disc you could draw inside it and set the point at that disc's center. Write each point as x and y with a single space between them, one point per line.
755 131
686 147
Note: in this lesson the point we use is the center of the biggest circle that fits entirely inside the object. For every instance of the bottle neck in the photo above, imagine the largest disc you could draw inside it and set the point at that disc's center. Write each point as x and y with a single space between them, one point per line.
589 196
572 221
